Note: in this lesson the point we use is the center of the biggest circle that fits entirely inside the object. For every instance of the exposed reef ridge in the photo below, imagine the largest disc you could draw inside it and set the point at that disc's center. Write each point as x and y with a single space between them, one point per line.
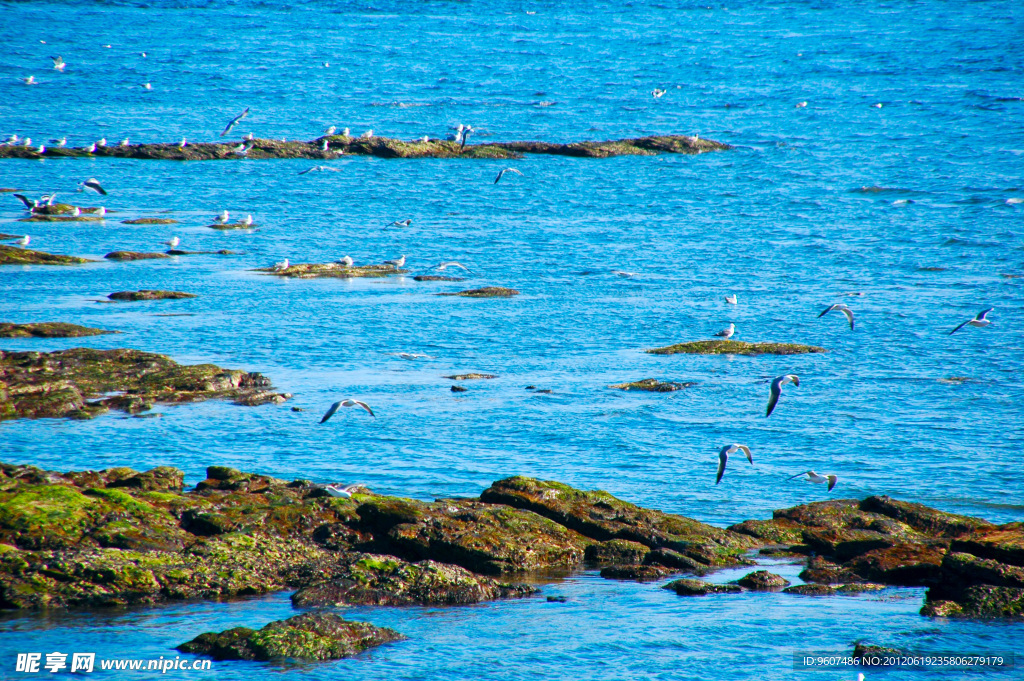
9 255
331 270
83 383
49 330
731 347
119 537
384 147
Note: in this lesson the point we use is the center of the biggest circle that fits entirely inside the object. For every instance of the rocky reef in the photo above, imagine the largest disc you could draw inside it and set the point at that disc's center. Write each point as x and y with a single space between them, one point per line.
150 221
383 147
652 385
485 292
306 637
332 270
134 255
149 294
48 330
82 383
731 347
9 255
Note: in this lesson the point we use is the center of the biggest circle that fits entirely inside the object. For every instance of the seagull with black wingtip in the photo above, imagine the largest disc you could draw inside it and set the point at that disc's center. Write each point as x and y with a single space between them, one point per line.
776 390
723 458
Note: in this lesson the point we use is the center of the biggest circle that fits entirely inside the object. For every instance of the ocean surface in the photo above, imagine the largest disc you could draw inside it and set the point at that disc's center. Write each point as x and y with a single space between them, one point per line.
911 213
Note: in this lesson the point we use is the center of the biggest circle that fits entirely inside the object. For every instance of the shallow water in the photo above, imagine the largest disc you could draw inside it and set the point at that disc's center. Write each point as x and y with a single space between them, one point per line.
784 221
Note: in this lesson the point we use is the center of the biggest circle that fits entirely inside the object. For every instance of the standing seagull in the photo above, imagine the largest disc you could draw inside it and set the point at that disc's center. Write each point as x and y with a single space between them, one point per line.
23 241
91 148
330 130
101 211
979 320
281 266
397 263
173 242
727 333
347 261
93 184
235 121
366 135
506 170
776 390
818 479
222 218
247 220
842 308
58 63
723 457
346 403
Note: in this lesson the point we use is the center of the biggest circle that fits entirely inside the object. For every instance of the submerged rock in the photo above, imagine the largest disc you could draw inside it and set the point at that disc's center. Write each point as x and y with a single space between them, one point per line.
48 330
485 292
149 294
225 226
696 587
435 277
10 255
368 579
133 255
332 270
469 377
82 383
731 347
652 385
310 636
150 221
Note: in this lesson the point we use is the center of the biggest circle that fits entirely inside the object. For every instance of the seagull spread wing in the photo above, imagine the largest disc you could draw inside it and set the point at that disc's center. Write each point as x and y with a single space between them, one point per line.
832 481
330 412
28 204
799 474
746 450
773 396
364 405
849 315
960 327
722 459
826 311
981 315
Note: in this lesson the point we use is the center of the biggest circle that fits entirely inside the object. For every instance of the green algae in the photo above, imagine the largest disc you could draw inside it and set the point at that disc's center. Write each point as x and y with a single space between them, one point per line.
10 255
48 330
731 347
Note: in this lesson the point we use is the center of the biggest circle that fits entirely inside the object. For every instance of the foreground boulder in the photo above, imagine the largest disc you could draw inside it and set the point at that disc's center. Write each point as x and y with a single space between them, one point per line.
82 383
9 255
731 347
48 330
311 636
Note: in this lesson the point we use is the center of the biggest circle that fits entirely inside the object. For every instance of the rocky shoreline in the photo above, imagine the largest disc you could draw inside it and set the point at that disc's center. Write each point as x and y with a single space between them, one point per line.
382 147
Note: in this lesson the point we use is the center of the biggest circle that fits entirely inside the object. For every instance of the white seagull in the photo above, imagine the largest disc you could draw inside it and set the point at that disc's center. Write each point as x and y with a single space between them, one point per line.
345 492
92 184
58 63
401 223
346 261
800 105
234 121
841 308
102 142
124 143
173 242
366 135
183 143
91 148
319 169
657 93
979 320
457 137
147 86
325 145
818 479
222 218
247 137
506 170
776 390
101 211
31 80
76 212
344 132
728 332
247 220
397 263
24 241
330 130
346 403
445 265
731 299
41 149
61 142
723 457
281 266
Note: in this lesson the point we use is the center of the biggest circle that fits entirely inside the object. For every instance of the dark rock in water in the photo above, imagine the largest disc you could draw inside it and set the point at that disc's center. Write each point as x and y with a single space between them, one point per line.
458 389
674 559
175 251
368 579
637 573
652 385
823 571
696 587
150 221
148 294
310 636
341 145
434 277
859 587
48 330
731 347
10 255
811 590
870 655
558 599
617 552
132 255
469 377
57 384
60 218
762 580
485 292
332 270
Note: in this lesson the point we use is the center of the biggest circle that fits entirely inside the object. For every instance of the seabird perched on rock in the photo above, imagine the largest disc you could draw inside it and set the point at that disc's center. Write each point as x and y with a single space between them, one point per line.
731 299
76 212
841 308
60 142
58 63
281 266
400 262
173 242
248 137
247 220
344 132
234 121
91 148
723 458
41 149
776 390
818 479
367 135
27 142
102 142
325 145
330 130
124 143
92 184
24 241
457 137
222 218
979 321
346 403
345 492
506 170
346 261
728 332
101 212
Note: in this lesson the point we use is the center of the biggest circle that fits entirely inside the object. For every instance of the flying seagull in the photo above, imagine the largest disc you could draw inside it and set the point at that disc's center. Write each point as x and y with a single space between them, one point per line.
731 299
31 80
776 390
58 63
346 403
723 457
626 275
818 479
397 263
445 265
727 333
401 223
658 93
93 184
457 137
506 170
979 320
319 169
30 205
235 121
842 308
411 355
465 136
345 492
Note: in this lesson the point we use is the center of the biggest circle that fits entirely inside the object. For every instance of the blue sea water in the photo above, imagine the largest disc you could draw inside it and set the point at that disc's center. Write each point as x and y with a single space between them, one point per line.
910 206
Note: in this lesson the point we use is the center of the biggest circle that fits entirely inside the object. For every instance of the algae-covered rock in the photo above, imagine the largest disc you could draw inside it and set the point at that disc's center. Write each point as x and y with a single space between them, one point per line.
150 221
617 552
811 590
762 580
227 226
48 330
470 376
485 292
134 255
652 385
731 347
332 270
369 579
56 384
149 294
310 636
637 573
696 587
435 277
10 255
60 218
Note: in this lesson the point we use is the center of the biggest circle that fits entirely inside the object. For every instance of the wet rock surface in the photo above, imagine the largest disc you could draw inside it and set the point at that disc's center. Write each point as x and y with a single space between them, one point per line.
731 347
469 377
436 277
9 255
82 383
134 255
48 330
332 270
383 147
485 292
149 294
762 580
150 221
652 385
310 636
696 587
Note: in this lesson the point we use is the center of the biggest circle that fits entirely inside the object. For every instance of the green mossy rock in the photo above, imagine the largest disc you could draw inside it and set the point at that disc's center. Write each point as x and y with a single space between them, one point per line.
150 221
652 385
731 347
9 255
332 270
485 292
148 294
134 255
48 330
696 587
